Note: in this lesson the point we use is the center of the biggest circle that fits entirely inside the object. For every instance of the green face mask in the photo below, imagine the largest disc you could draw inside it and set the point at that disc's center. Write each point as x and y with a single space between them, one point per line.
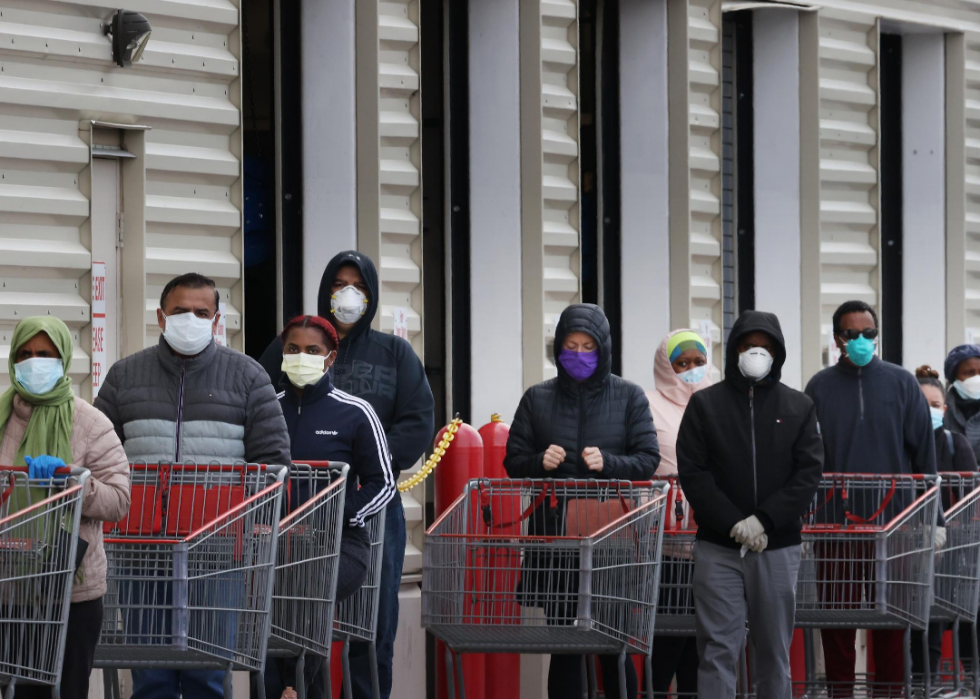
860 351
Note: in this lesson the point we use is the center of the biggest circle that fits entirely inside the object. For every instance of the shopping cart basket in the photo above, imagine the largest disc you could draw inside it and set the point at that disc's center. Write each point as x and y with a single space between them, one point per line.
356 617
39 524
190 569
957 571
543 566
306 566
867 561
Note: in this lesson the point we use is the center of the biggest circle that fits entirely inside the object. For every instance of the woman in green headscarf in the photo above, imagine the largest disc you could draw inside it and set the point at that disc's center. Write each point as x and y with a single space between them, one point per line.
44 426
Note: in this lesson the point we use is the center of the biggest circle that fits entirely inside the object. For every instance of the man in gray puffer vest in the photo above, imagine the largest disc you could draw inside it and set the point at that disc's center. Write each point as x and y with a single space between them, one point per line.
188 399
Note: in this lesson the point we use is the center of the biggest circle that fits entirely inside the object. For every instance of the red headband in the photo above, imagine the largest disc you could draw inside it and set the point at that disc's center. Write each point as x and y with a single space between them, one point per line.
312 322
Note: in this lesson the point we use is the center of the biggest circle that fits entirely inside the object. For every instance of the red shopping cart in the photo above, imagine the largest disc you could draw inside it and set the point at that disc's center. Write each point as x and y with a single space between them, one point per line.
307 556
39 524
191 568
867 563
543 566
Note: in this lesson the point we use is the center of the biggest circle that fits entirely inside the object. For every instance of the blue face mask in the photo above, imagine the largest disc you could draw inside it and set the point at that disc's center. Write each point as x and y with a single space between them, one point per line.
937 418
695 375
39 374
860 351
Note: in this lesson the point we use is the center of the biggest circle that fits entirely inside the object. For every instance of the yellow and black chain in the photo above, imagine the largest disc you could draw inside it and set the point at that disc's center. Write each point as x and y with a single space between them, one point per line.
433 461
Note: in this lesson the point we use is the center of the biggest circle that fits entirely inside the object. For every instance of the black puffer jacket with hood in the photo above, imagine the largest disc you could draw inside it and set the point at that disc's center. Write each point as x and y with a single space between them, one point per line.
748 448
604 411
379 368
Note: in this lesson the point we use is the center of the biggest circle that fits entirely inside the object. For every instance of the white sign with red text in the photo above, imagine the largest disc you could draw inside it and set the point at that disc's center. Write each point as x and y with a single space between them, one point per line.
99 338
401 322
220 332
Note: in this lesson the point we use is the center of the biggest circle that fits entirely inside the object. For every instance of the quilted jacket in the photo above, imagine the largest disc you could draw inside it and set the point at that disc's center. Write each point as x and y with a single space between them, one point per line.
216 406
604 411
94 446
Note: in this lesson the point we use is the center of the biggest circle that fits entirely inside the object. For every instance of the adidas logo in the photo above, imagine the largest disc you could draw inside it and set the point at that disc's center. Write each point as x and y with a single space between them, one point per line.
332 433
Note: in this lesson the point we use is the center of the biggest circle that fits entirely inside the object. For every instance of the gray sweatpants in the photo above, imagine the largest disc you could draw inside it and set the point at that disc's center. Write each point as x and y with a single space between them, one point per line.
728 590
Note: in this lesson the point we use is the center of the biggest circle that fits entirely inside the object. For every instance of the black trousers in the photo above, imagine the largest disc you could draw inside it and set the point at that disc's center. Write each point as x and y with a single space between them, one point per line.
84 629
675 655
565 677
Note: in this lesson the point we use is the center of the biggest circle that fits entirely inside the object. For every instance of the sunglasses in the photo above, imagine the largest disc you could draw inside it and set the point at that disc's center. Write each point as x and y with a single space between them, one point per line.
853 334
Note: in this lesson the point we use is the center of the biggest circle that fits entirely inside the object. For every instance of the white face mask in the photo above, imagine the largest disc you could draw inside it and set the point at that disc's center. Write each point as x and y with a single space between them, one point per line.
304 369
39 374
187 334
968 389
348 305
755 363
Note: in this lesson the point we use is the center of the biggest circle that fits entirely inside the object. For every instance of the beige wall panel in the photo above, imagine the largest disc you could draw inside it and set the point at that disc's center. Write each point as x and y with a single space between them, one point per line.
972 187
389 182
58 74
953 15
694 65
849 196
550 175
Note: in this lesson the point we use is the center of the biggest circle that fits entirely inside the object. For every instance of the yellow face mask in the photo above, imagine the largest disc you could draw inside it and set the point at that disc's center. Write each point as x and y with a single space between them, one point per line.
304 369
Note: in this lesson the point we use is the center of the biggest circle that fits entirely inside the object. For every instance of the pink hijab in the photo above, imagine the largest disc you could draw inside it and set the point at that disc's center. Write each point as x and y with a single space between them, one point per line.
668 402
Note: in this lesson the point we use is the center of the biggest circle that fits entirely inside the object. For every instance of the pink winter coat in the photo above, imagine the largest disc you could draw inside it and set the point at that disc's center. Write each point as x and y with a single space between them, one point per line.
94 446
667 403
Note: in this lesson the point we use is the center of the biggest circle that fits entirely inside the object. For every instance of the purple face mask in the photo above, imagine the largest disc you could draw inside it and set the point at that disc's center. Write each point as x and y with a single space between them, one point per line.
579 365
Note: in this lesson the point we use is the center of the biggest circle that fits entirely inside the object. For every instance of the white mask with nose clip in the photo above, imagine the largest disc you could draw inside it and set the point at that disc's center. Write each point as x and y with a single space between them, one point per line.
755 363
348 305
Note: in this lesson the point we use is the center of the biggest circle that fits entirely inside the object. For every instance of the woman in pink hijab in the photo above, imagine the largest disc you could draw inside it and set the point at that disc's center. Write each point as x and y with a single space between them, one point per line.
680 368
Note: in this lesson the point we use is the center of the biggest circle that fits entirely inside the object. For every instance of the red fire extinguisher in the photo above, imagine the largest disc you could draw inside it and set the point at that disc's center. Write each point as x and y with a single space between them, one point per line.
503 670
462 462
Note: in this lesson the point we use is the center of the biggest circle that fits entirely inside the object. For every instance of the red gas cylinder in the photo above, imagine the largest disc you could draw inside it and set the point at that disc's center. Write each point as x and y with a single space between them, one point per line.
462 462
503 670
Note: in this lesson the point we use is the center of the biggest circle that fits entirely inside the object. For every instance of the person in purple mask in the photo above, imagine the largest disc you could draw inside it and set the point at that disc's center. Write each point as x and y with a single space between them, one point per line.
585 423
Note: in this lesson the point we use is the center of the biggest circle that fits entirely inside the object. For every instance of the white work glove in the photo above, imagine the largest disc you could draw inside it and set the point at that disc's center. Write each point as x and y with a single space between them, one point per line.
755 546
747 531
940 538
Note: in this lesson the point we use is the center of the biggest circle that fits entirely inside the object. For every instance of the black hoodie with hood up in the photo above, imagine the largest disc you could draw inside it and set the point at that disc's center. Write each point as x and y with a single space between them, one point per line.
750 448
379 368
604 411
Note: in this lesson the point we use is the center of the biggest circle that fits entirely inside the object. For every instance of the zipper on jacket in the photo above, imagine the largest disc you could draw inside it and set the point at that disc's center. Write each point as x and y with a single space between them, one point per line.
755 477
860 397
180 412
581 427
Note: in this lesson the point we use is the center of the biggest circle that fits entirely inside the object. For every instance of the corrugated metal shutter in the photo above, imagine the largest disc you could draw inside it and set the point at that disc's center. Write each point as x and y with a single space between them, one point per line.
704 35
972 153
728 174
390 179
849 198
550 174
57 75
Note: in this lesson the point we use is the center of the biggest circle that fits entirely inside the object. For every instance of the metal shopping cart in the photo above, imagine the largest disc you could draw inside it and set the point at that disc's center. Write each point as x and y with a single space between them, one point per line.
306 566
957 574
543 566
867 563
39 554
356 618
190 569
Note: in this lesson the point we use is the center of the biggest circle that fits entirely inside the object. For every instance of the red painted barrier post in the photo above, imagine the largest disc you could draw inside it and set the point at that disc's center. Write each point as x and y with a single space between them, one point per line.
503 670
463 461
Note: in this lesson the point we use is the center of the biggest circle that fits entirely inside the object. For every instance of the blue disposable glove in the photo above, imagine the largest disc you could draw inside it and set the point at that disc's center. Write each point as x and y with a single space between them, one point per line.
43 466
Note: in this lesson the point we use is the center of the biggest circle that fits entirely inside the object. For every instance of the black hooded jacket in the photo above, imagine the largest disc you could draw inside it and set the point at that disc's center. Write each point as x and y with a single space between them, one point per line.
749 448
604 411
379 368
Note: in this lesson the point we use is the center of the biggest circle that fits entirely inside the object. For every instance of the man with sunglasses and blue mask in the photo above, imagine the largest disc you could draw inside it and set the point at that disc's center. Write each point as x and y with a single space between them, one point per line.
874 419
